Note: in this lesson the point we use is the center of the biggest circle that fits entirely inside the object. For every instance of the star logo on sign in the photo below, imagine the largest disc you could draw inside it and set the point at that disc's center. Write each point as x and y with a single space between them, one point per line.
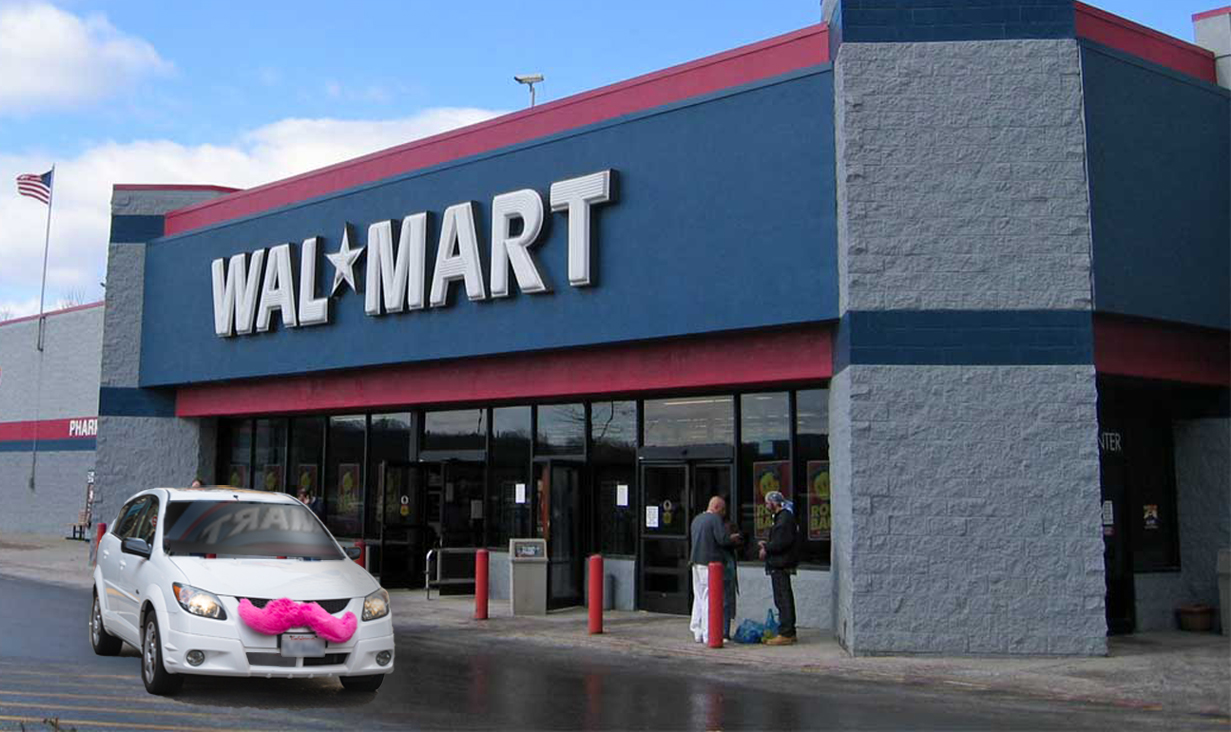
343 262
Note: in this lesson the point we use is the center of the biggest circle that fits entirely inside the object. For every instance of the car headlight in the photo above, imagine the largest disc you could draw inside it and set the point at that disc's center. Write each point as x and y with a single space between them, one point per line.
199 602
376 605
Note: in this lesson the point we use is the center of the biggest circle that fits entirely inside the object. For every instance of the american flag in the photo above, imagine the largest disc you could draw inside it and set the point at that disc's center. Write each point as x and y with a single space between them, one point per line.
35 186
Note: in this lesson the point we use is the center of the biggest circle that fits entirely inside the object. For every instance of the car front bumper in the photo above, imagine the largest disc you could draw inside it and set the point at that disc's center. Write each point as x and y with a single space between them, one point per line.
233 649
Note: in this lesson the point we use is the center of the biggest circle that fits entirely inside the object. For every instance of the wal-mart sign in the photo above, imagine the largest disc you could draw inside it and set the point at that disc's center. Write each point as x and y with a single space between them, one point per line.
251 288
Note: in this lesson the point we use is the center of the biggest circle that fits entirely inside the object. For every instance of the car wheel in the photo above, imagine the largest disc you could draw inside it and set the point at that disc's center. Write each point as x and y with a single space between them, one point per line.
363 683
103 643
153 673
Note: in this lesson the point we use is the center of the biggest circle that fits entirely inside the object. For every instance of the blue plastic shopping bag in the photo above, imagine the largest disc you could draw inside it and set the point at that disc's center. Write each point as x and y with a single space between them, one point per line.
771 624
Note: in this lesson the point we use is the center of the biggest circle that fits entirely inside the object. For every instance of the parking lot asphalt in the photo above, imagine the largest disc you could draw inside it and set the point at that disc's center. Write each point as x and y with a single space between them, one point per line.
1168 672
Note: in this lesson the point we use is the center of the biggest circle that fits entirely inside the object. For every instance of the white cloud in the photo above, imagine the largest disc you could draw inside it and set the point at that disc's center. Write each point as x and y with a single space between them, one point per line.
81 214
51 58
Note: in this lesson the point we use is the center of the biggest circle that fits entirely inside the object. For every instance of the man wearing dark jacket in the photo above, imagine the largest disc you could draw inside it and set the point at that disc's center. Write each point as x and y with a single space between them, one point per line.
780 555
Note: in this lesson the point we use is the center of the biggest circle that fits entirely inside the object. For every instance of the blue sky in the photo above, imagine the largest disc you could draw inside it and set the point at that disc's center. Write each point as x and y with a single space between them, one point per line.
239 93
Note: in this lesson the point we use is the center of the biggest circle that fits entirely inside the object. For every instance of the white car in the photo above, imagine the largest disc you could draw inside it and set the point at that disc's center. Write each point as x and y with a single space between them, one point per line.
220 581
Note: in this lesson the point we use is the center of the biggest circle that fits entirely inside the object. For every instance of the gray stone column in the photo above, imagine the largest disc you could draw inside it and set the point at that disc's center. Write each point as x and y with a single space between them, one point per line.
141 443
963 429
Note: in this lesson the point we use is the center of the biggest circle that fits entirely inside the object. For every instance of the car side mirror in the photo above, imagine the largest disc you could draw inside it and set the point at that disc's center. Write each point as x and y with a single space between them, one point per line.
133 545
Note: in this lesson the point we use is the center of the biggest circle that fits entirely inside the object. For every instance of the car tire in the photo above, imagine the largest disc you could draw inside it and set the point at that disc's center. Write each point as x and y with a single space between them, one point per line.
362 683
157 680
103 643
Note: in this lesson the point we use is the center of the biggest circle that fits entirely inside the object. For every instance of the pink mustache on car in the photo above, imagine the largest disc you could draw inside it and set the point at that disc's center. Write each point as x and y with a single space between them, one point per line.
283 614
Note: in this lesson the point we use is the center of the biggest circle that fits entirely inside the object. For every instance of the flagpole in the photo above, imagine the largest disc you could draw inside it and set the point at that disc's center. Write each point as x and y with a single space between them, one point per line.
42 319
51 197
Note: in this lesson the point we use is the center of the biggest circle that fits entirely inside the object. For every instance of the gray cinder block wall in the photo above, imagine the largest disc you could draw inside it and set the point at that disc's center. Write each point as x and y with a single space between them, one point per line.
141 443
962 414
60 382
1203 502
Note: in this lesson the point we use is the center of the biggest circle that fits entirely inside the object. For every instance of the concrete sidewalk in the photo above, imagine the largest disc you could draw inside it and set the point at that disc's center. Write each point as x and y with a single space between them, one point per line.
1170 672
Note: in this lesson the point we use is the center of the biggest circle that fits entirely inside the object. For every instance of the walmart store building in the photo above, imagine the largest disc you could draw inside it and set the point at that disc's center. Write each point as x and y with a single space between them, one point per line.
955 279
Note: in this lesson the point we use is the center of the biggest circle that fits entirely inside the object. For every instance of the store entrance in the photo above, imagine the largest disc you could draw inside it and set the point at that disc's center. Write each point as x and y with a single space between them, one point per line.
424 506
673 493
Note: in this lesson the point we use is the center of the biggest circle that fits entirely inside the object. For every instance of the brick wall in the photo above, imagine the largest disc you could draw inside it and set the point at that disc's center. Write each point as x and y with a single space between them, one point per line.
954 20
60 382
972 525
961 176
963 422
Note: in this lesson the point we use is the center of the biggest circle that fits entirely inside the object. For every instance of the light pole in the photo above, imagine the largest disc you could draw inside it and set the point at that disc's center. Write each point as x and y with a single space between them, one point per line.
529 80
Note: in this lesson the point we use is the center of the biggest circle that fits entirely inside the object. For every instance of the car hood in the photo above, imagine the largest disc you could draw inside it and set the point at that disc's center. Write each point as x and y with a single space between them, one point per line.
274 578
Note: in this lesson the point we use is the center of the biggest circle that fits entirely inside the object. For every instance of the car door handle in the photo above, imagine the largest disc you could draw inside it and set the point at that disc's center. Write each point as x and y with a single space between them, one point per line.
106 553
123 565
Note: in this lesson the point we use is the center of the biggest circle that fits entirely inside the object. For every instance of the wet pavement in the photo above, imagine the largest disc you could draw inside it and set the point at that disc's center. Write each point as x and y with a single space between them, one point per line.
463 674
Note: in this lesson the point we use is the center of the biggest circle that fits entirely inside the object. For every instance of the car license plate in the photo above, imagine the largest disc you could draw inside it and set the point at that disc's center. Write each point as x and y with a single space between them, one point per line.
302 645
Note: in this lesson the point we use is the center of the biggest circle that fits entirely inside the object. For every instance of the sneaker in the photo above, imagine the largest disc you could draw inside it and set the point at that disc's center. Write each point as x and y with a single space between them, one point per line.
781 640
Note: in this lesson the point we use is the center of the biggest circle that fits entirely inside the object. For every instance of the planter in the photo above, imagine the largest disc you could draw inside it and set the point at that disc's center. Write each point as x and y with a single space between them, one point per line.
1196 618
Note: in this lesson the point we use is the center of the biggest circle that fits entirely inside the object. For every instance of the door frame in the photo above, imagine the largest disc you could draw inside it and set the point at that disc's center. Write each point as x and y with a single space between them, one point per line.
580 524
384 540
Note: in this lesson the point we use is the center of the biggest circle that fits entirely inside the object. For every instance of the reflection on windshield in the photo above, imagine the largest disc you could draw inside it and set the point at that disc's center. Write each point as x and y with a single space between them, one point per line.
250 529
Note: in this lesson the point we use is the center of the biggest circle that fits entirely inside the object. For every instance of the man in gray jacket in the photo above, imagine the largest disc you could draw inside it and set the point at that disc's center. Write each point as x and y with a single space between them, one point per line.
709 536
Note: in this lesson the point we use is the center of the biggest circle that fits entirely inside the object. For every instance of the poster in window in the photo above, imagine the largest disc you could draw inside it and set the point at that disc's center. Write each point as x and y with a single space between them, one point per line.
306 477
768 477
1150 518
238 476
819 520
271 478
349 498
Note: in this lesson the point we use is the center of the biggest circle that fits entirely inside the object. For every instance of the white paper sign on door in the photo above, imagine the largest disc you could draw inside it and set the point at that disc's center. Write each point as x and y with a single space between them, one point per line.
651 517
519 493
622 495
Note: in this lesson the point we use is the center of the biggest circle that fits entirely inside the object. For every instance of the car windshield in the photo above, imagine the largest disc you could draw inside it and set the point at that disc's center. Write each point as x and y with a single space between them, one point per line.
248 529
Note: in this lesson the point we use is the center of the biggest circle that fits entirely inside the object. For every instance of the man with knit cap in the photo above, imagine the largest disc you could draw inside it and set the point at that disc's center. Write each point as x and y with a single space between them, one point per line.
781 559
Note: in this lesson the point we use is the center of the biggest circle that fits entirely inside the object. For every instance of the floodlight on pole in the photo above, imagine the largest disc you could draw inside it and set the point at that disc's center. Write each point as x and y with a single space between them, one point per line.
529 80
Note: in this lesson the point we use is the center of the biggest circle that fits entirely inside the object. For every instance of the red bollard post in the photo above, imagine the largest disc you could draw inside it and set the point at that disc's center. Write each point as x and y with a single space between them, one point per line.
716 605
480 584
596 594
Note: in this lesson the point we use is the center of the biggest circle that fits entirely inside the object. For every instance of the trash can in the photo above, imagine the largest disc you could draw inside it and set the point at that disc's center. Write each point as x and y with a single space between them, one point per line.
528 576
1224 587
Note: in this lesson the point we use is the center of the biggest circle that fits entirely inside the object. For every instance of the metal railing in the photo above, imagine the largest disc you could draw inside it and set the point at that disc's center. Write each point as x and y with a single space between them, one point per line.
455 572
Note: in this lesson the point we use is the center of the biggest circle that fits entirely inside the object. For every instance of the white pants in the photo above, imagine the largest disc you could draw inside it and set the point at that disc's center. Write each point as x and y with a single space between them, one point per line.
700 623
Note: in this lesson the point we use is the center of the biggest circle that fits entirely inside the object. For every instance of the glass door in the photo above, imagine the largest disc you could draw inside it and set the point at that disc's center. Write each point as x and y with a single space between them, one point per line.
561 523
456 492
665 583
405 534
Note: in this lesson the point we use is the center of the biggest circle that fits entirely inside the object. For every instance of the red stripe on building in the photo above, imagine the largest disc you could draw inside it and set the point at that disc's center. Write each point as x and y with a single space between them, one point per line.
781 54
52 313
745 359
84 428
1124 35
1212 13
1153 350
